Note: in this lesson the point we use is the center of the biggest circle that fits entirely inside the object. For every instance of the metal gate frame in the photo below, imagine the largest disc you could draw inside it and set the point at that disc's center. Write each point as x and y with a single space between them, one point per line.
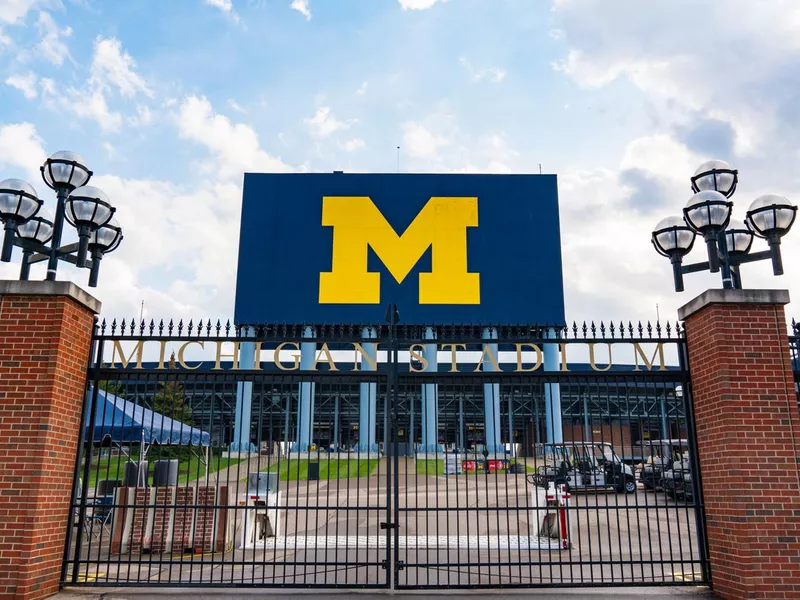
392 382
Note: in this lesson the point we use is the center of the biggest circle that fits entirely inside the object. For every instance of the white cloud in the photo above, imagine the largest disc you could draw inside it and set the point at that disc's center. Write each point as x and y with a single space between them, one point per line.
52 47
21 151
235 147
225 6
362 89
301 6
418 4
354 144
112 71
697 67
112 66
323 123
493 74
235 106
24 83
13 11
419 142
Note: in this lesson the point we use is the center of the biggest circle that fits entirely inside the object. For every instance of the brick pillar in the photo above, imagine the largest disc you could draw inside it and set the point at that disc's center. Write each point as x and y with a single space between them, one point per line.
45 335
748 437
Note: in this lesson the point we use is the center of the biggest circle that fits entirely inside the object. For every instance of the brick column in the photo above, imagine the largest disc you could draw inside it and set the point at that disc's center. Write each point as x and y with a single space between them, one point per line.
45 335
748 437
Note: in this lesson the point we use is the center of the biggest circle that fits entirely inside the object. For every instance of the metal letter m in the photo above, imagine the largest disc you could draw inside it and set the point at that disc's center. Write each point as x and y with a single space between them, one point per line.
358 224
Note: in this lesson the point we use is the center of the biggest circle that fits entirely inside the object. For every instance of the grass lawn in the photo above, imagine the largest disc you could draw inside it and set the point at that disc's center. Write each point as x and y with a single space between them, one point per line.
297 470
189 469
430 466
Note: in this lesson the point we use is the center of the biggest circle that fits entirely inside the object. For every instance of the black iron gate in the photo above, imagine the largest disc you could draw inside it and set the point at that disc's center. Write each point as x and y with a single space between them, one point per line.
353 469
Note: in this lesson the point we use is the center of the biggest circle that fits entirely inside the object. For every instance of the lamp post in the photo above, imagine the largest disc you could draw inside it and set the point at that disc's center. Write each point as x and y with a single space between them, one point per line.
30 227
727 241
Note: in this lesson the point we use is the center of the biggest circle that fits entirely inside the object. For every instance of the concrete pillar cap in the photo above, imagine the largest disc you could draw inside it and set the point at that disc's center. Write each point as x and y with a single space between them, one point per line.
50 288
723 296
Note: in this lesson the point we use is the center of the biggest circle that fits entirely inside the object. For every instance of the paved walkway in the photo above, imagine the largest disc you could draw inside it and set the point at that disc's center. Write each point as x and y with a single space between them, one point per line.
652 593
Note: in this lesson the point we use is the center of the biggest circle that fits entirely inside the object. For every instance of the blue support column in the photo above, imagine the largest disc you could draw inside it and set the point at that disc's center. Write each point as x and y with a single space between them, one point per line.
665 433
552 393
305 404
244 398
368 395
491 397
430 400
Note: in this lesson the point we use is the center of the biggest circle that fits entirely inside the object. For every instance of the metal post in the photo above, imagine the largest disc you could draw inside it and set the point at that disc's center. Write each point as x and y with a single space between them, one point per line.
58 227
491 397
430 399
244 397
586 429
552 393
727 279
368 395
25 266
461 441
336 424
305 405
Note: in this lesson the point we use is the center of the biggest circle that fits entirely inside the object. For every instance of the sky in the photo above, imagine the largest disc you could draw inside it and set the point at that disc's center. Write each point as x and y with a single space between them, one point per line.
169 103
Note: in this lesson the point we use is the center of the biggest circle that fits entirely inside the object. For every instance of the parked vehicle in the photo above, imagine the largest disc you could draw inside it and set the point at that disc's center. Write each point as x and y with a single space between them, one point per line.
585 466
660 456
677 481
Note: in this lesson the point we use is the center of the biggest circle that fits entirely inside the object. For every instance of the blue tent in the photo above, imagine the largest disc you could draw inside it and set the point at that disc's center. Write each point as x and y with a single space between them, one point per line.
122 421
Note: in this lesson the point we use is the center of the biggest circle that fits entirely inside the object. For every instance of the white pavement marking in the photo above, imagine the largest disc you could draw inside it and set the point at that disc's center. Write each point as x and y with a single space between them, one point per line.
471 542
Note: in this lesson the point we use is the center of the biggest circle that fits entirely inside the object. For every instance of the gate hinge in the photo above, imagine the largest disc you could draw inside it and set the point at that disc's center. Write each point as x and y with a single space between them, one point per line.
388 525
384 564
400 565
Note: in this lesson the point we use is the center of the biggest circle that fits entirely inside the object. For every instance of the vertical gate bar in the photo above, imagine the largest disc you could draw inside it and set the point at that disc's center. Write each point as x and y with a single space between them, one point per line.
392 462
694 458
86 466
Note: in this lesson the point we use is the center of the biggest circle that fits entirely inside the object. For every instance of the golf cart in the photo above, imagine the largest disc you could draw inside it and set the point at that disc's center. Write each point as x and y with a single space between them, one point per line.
584 466
677 481
661 454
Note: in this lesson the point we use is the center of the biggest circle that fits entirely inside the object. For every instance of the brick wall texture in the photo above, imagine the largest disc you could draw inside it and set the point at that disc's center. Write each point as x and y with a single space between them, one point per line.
748 433
44 351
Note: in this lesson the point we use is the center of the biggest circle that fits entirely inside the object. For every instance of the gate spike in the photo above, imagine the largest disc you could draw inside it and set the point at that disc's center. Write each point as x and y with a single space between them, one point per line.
228 328
170 327
122 327
199 327
621 329
152 326
141 328
611 329
640 329
630 329
208 328
594 330
103 327
189 328
649 330
602 329
658 328
160 326
669 330
584 329
132 326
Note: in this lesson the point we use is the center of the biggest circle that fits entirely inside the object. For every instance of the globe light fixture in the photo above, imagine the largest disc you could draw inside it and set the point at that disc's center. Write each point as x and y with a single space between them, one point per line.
87 209
771 217
18 203
708 213
674 239
105 239
39 235
728 241
717 176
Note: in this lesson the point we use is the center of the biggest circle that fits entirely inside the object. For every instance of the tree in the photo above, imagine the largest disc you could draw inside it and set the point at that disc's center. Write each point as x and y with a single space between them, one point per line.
170 400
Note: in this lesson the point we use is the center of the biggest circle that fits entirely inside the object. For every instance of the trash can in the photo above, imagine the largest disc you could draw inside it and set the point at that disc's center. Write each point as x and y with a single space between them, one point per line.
313 471
165 473
136 474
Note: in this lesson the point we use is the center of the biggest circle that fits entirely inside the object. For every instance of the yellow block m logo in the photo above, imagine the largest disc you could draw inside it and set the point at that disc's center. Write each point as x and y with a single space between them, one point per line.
441 224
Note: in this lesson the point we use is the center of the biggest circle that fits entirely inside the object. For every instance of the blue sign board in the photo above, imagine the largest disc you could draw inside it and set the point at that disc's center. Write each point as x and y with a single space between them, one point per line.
447 249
